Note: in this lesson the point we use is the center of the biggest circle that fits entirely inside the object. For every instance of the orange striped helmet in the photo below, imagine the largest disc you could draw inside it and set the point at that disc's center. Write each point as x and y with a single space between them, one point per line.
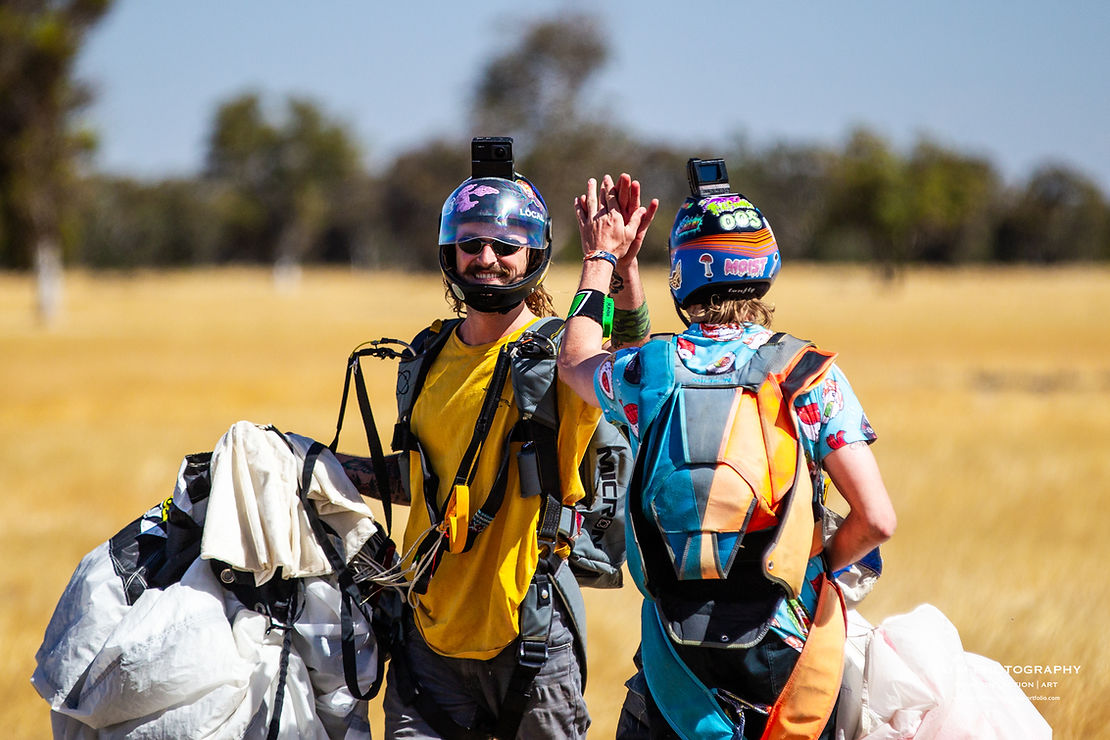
721 246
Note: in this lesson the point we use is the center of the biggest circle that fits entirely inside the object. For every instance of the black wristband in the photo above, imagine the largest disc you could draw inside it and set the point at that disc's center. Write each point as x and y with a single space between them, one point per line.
593 304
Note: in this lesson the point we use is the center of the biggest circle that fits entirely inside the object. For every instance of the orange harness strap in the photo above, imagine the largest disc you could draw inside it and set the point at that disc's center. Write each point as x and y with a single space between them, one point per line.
807 701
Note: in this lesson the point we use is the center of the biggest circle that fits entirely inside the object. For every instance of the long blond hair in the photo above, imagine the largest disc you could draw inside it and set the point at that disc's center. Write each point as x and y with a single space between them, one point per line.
732 311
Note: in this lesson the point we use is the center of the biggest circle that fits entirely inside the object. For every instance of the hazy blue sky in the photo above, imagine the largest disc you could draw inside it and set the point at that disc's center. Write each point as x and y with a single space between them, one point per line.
1021 82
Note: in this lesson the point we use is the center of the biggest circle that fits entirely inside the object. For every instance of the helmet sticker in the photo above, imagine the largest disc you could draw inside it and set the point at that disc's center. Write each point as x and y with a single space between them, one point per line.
675 279
707 260
690 224
726 204
531 213
463 201
744 267
745 220
527 188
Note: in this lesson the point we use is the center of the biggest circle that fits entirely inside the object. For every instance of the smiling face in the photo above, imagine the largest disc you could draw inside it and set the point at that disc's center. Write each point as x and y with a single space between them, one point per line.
486 267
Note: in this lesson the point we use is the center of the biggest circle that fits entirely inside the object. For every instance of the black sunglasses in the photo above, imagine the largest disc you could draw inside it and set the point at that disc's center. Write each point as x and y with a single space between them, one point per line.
500 248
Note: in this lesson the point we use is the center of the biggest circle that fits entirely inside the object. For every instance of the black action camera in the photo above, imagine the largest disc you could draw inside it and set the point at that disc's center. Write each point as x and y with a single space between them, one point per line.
707 177
491 156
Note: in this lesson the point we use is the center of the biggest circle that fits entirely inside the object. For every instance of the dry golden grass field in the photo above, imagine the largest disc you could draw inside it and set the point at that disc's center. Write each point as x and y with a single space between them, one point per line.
990 391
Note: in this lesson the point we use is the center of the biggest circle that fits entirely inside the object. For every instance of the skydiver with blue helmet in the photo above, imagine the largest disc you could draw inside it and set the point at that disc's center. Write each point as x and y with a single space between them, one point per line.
720 649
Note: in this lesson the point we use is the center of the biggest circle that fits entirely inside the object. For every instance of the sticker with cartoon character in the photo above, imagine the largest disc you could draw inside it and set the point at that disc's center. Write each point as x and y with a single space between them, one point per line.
675 279
465 200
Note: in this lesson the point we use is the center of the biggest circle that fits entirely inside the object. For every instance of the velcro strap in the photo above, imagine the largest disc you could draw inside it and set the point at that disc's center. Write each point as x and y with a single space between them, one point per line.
550 520
570 523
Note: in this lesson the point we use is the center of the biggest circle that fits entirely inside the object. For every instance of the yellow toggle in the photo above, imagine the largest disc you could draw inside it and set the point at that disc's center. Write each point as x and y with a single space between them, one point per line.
457 518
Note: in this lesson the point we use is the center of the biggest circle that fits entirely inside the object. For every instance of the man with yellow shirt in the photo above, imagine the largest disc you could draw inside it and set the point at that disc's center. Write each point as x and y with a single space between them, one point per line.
491 642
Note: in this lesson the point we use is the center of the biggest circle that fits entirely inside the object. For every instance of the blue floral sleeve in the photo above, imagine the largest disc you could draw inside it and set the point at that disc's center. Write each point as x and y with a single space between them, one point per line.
617 385
831 416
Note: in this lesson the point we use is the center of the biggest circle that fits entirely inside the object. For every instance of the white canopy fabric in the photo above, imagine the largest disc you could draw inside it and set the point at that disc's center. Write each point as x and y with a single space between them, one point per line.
190 660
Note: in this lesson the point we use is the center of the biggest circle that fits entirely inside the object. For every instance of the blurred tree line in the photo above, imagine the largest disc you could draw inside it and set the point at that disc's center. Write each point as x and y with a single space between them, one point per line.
287 184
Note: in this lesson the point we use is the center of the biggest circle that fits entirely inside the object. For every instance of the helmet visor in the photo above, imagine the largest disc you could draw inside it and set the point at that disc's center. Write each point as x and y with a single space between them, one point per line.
492 208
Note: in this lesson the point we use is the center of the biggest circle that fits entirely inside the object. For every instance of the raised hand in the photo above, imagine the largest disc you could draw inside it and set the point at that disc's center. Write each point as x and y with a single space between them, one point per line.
628 198
603 223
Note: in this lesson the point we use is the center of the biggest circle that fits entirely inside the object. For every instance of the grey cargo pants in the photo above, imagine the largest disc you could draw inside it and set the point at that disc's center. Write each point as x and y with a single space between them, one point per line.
467 689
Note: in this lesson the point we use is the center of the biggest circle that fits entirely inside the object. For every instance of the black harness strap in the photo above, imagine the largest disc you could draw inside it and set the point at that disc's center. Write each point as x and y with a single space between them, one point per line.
279 693
332 546
373 440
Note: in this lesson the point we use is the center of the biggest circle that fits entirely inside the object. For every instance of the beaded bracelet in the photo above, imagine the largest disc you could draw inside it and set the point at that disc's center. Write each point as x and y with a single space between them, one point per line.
601 254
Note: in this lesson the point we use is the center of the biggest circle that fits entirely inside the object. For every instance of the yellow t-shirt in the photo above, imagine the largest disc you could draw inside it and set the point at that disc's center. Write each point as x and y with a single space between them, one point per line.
471 607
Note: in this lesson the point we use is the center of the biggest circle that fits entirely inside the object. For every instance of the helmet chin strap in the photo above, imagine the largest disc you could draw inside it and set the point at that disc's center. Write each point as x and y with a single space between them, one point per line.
504 310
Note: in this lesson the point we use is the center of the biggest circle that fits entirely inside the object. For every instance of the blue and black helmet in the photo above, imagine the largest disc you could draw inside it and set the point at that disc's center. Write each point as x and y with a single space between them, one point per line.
721 246
512 211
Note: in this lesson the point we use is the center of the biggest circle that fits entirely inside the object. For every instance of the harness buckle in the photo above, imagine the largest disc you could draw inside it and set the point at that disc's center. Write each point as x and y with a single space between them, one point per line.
532 654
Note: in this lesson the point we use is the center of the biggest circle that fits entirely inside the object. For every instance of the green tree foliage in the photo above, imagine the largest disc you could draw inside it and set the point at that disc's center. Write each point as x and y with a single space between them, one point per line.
869 209
127 224
282 183
953 202
413 190
39 145
533 90
791 185
1060 216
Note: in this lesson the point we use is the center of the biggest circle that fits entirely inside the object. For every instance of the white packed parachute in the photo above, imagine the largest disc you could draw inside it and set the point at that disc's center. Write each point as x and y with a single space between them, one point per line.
910 677
218 613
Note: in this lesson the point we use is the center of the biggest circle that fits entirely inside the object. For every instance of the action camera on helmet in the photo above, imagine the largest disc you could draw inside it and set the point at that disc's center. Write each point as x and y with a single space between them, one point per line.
707 177
491 156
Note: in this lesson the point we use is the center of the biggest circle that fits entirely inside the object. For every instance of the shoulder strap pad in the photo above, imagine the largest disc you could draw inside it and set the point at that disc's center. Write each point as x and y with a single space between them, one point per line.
534 358
795 364
412 371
